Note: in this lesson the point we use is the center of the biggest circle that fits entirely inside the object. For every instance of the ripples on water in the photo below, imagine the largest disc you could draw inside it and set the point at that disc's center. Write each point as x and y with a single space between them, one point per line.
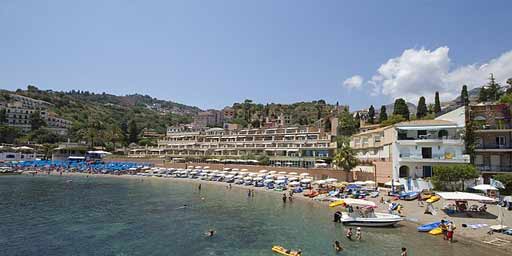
111 216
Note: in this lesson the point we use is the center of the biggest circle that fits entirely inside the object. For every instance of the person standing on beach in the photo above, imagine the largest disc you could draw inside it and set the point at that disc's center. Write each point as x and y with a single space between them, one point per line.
358 233
450 227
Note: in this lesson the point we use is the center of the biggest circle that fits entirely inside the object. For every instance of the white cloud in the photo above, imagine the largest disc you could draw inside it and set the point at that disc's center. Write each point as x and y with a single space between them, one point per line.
353 82
420 72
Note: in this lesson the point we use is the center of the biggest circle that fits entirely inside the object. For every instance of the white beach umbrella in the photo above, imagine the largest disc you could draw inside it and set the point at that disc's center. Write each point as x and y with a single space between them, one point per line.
235 169
206 167
262 175
258 178
292 173
280 181
268 181
252 174
319 182
331 180
294 183
484 187
370 182
263 171
247 178
269 177
230 176
304 174
244 170
198 167
281 178
272 172
396 183
282 173
306 180
294 178
226 169
359 183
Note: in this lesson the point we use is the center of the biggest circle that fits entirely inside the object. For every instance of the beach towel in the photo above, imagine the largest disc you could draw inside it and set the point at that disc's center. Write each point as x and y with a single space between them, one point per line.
475 226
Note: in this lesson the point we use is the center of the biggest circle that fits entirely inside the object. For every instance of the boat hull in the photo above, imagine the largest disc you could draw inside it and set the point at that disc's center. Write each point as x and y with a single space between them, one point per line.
380 220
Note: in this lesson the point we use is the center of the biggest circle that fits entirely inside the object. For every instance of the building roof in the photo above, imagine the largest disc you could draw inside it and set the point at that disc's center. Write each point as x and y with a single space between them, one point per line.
374 130
424 122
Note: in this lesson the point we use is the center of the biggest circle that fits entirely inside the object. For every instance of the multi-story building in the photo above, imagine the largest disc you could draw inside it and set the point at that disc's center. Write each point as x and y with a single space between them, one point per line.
287 146
19 111
209 118
411 149
228 113
492 128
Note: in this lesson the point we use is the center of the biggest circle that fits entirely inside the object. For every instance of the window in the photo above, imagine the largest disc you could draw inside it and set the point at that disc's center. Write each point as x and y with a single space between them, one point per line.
500 141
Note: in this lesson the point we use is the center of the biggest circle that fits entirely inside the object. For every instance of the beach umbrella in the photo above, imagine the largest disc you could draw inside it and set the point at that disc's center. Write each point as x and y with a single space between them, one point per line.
361 183
484 187
281 173
304 174
262 175
263 171
292 173
294 183
268 181
258 178
280 181
319 182
281 178
244 170
370 182
306 180
247 178
395 183
272 172
293 178
252 174
331 180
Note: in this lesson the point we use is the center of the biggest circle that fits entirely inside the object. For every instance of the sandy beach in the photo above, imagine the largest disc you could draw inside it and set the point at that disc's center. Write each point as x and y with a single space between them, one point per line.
413 212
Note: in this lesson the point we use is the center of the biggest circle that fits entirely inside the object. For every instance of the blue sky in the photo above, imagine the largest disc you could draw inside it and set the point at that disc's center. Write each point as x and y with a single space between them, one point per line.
213 53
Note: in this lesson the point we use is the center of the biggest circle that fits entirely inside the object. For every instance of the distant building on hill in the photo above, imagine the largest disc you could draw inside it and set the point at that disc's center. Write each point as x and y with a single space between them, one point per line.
19 109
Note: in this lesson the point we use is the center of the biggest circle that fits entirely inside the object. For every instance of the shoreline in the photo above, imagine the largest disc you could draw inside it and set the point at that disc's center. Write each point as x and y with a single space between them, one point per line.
466 238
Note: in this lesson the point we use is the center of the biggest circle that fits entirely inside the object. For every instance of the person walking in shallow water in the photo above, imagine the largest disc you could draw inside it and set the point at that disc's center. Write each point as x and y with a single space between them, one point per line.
284 198
199 187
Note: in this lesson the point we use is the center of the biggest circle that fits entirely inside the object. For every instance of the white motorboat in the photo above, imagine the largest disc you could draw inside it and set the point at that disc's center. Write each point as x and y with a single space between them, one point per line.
374 219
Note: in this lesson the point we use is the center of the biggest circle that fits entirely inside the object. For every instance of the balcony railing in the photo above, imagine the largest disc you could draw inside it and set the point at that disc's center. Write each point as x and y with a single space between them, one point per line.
494 168
493 146
435 157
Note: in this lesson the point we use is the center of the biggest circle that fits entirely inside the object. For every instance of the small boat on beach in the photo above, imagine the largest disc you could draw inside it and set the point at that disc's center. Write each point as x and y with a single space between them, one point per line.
433 199
429 226
311 193
374 219
409 195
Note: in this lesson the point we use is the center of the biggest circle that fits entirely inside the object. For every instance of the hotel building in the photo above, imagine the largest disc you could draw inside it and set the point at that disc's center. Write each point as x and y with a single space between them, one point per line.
287 146
492 128
411 149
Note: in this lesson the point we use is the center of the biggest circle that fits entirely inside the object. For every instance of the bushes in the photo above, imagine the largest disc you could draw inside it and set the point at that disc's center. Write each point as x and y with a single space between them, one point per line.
506 179
453 177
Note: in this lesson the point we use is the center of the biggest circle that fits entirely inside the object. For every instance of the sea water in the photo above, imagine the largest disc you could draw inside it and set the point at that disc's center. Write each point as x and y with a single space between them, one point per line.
51 215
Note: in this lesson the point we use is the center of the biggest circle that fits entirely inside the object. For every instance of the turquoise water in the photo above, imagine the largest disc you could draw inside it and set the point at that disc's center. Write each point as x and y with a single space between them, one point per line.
112 216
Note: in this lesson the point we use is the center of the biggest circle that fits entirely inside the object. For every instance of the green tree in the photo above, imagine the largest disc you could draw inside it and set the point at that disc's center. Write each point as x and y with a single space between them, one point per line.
464 96
509 85
36 121
8 134
347 124
482 96
401 108
422 108
371 115
345 157
493 89
393 119
506 179
437 103
448 177
133 132
470 140
3 116
383 116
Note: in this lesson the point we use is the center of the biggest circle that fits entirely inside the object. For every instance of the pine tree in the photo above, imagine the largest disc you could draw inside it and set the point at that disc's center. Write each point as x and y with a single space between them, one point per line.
464 97
383 116
422 108
371 115
437 104
133 132
357 119
482 96
401 108
493 89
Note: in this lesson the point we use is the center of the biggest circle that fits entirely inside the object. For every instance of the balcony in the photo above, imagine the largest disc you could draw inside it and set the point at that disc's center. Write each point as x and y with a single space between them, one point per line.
446 158
493 148
493 128
494 168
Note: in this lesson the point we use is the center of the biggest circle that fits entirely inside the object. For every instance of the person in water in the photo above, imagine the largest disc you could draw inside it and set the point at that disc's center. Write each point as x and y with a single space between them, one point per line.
210 233
199 187
337 246
249 193
337 216
358 233
284 198
404 252
349 234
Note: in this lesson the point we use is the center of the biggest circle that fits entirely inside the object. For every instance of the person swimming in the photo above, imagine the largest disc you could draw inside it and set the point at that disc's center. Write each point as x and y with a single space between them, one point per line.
349 233
337 246
182 207
210 233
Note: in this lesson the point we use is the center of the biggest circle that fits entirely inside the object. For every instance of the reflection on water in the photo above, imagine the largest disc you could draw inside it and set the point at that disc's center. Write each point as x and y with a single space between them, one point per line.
111 216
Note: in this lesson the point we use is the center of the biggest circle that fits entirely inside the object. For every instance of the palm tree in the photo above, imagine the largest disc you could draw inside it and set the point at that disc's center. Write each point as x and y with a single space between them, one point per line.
345 155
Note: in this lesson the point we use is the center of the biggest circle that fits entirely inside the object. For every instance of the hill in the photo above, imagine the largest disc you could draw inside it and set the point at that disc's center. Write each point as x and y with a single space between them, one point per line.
108 111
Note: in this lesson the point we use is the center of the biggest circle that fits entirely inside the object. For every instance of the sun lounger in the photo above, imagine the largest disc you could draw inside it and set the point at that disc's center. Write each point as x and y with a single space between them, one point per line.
475 226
